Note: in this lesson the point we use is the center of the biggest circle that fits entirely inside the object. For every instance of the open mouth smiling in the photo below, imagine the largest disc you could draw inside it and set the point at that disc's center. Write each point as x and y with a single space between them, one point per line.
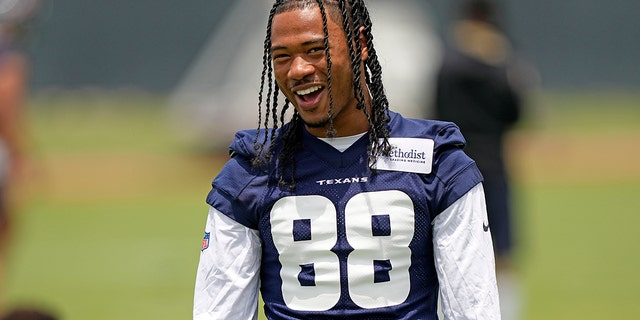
310 96
308 90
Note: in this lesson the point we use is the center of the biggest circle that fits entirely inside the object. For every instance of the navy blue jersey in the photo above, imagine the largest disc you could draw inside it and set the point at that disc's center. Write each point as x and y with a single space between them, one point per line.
347 242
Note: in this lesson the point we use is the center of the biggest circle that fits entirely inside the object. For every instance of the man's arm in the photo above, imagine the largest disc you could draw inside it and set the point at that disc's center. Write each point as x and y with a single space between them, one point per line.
464 259
229 271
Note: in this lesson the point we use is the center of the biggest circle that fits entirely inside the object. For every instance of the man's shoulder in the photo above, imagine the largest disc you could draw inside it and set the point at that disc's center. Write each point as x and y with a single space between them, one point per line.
243 142
240 168
441 132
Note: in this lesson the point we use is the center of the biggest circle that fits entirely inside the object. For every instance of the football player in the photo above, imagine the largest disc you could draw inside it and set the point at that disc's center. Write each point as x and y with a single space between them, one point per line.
346 209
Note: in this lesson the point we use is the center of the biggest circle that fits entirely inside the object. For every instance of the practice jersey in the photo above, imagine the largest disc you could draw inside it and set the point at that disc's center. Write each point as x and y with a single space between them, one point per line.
347 241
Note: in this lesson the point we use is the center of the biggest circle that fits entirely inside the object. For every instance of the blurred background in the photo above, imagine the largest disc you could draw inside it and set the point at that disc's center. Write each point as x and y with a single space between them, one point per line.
129 106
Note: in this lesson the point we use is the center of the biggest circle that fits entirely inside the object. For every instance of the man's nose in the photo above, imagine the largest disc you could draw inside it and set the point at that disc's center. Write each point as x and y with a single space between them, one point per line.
300 68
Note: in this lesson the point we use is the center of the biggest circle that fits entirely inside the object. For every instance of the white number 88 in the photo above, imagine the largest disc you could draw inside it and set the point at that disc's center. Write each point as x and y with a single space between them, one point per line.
379 227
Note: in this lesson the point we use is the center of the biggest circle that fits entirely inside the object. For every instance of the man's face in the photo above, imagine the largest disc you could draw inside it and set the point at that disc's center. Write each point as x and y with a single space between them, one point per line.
300 68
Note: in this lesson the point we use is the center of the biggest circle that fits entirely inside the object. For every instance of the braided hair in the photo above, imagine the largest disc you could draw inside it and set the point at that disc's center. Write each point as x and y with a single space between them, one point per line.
353 15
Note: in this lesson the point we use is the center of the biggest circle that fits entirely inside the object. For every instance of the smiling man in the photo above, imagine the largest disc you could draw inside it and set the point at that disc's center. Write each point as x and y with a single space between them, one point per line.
302 73
326 214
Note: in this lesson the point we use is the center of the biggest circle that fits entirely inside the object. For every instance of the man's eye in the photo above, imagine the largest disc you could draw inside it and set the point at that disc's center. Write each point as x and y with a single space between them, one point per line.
279 57
316 49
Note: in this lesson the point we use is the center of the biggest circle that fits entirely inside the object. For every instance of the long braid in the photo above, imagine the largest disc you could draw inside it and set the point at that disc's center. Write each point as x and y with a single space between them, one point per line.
355 24
353 14
267 71
274 110
379 118
380 102
287 155
332 131
351 31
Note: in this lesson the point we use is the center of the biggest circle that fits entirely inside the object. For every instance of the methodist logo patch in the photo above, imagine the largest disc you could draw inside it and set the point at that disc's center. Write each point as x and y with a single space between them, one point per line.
408 155
205 241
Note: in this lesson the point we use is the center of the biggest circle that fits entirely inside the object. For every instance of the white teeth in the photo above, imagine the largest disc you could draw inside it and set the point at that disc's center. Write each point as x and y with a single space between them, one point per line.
307 91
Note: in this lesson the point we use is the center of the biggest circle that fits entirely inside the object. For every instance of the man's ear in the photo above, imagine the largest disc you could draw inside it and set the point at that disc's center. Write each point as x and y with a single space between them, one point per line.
363 44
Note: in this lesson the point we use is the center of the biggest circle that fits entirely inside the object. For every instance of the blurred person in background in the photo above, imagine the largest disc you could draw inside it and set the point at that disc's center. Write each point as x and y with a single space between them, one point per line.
14 70
480 86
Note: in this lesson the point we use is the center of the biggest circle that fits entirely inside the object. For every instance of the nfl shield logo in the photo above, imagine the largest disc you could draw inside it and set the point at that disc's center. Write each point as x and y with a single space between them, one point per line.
205 241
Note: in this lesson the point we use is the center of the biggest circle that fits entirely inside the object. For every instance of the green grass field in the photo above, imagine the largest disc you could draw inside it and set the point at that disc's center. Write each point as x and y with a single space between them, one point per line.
113 212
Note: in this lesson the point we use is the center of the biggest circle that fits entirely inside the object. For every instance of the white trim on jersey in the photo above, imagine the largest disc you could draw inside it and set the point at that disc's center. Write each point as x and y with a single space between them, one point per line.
464 259
228 273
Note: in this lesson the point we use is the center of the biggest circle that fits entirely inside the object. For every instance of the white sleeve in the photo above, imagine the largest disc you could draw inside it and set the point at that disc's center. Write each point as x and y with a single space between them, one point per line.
229 271
464 259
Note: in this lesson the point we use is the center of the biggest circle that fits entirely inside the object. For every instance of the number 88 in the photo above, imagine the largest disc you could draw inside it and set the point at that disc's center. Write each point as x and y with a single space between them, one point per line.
378 226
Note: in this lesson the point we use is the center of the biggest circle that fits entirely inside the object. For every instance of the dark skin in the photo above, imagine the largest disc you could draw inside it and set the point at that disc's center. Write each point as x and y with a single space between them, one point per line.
300 68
